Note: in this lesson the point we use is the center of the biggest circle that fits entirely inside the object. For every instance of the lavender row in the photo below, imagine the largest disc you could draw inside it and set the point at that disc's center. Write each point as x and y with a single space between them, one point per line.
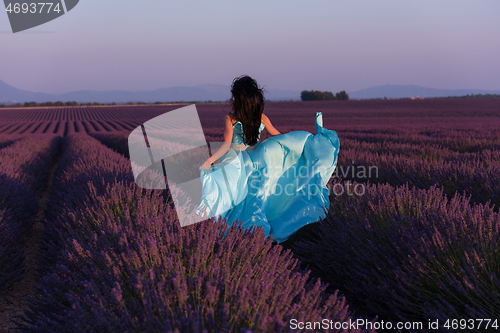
29 159
24 169
409 254
428 152
6 141
24 165
459 159
462 143
125 264
116 141
119 141
455 138
474 177
11 249
421 163
83 160
194 158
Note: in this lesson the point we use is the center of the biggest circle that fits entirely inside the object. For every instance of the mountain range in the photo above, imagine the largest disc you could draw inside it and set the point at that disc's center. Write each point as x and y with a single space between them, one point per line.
204 92
213 92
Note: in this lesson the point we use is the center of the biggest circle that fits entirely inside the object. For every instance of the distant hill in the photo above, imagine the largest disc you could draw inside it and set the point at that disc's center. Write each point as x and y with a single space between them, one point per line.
215 93
395 91
9 95
204 92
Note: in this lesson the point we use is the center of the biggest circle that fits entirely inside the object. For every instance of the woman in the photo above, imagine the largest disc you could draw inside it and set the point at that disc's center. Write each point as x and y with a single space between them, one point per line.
279 184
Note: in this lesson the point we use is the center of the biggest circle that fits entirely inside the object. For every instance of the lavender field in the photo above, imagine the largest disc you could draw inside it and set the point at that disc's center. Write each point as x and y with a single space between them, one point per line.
83 249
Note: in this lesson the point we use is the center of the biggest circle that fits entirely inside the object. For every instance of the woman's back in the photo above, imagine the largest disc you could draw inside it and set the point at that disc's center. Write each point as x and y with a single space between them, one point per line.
239 136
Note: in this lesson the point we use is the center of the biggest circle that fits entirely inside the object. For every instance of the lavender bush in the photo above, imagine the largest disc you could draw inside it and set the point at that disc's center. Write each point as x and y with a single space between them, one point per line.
84 160
29 159
468 139
433 152
125 264
465 162
24 165
409 254
115 258
6 141
11 250
117 141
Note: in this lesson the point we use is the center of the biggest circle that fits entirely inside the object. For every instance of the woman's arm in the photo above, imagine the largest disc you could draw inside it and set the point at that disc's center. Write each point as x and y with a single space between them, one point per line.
228 137
269 127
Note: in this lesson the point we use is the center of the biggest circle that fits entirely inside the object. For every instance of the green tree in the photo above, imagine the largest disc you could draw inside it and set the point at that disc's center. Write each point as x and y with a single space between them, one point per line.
315 95
342 96
328 96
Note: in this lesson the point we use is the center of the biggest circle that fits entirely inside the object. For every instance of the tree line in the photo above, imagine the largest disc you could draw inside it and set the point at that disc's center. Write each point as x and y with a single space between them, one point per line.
481 96
315 95
59 103
35 104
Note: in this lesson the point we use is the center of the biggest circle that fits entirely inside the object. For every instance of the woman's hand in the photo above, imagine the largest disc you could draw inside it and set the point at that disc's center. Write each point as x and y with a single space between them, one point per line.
207 165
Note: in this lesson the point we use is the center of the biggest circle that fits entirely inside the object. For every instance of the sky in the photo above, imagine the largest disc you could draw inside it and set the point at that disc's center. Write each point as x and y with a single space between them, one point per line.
284 44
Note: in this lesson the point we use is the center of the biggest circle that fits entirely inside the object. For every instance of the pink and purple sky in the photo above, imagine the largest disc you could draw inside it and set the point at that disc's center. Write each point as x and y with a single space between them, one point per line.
284 44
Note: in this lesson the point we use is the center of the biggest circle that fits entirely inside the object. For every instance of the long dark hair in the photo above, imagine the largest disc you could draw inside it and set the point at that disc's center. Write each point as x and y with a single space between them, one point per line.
247 102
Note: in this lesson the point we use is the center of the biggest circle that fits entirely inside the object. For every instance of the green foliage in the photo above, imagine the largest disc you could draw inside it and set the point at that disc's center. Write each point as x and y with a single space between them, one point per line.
88 104
342 96
315 95
58 103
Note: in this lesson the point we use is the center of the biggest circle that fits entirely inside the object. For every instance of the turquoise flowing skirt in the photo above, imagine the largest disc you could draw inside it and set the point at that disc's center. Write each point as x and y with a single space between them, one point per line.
280 185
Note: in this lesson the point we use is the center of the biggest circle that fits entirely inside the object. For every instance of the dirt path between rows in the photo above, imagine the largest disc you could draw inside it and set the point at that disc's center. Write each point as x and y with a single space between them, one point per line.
14 302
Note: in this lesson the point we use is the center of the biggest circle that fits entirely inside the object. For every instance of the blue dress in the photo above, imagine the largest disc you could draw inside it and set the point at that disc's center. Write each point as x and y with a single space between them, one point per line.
279 184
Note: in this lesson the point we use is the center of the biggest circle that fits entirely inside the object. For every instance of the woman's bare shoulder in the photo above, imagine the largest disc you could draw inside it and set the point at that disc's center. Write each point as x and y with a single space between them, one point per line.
231 118
264 119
